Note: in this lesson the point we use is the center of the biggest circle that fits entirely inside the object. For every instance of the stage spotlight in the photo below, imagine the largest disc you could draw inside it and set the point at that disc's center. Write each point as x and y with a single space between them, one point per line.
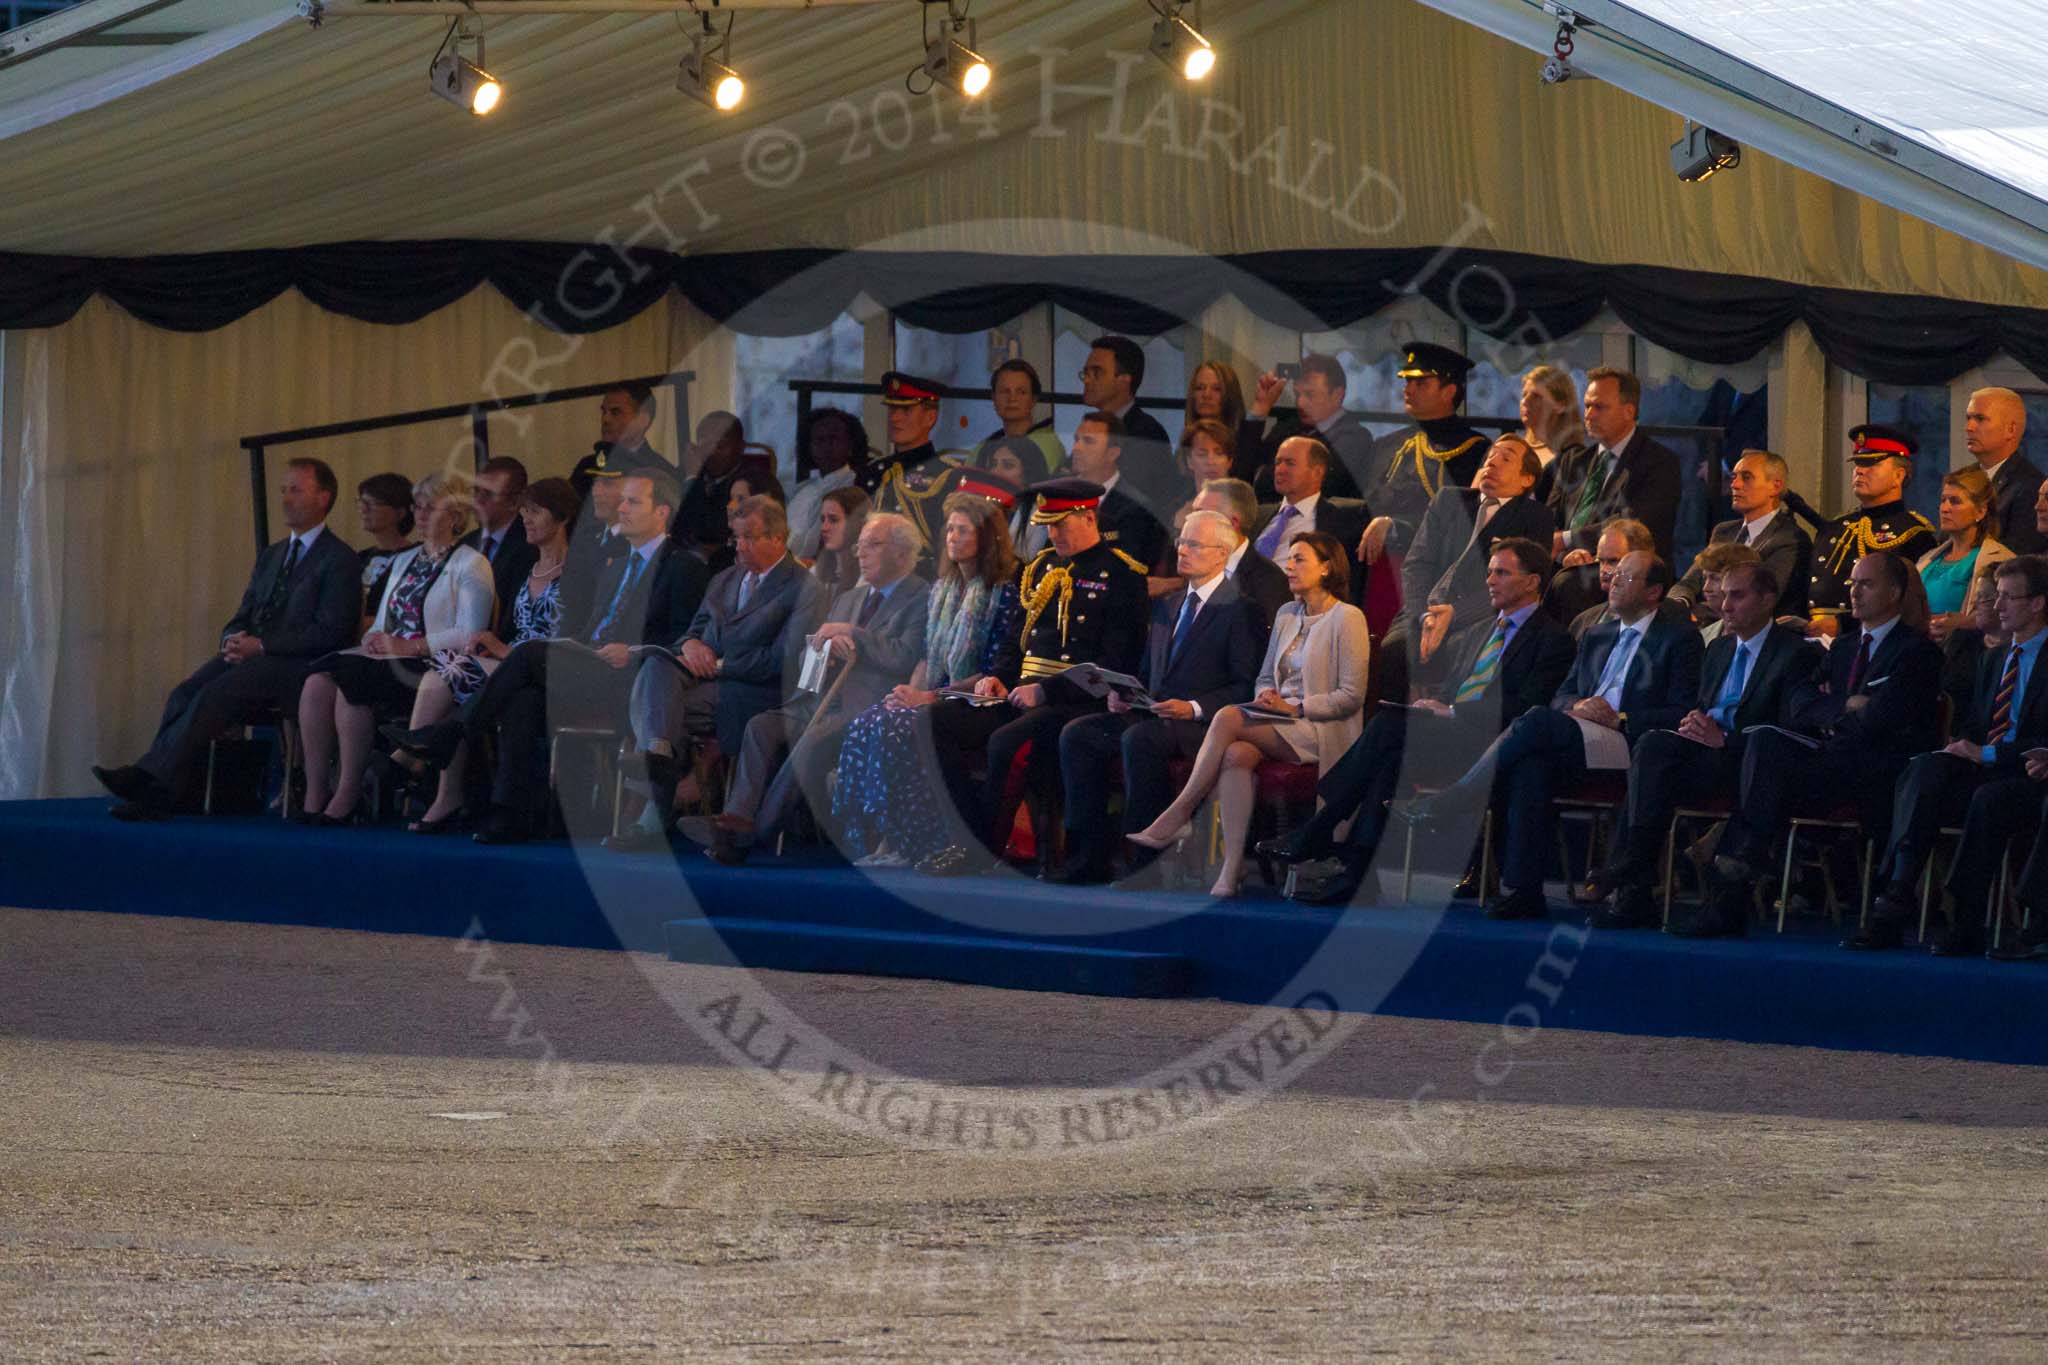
712 81
1182 47
955 65
461 81
1702 152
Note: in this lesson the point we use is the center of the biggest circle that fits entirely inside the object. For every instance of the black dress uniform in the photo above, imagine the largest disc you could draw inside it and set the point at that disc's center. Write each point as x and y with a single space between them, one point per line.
1411 466
914 482
1887 526
1092 608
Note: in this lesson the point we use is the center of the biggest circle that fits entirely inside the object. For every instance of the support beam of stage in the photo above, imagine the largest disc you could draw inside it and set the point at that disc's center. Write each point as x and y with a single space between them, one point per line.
400 9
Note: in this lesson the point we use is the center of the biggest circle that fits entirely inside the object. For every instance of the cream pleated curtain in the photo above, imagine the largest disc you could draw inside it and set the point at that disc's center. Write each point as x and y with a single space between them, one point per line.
125 522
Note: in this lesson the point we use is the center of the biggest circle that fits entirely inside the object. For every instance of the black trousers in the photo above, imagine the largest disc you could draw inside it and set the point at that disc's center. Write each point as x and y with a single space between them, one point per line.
1089 746
1666 770
218 696
1397 748
542 683
1999 809
963 735
1782 778
1934 790
2034 876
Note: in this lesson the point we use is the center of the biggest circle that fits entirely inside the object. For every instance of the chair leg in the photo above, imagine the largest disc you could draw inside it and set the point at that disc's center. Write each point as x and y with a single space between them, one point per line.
1785 882
618 794
1486 853
1670 857
1926 896
1869 861
1408 867
206 801
288 747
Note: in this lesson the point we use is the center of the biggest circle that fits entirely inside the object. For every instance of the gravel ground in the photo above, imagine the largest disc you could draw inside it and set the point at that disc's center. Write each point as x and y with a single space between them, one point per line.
235 1142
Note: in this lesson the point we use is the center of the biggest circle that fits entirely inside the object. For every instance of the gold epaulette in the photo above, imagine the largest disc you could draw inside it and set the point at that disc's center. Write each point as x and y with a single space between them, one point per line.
1141 568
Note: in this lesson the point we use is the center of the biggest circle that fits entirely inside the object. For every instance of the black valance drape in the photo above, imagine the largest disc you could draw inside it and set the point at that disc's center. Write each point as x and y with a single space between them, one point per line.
1519 299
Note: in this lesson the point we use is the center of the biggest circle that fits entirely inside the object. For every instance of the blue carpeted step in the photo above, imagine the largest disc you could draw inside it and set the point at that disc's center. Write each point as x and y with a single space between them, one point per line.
1019 964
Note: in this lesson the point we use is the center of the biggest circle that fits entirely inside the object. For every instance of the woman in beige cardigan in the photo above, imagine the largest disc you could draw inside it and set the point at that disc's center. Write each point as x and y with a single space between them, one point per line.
1315 673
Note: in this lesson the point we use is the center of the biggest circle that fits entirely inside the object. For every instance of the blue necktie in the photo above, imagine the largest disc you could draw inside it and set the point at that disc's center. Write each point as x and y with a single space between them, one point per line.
634 563
1270 541
1731 691
1189 606
1613 676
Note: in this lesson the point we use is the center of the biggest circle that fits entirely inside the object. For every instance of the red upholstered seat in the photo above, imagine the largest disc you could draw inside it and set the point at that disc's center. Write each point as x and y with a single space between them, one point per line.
1285 784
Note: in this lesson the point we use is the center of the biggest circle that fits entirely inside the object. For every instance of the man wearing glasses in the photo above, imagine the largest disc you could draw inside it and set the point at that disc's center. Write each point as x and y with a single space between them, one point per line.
500 535
1202 652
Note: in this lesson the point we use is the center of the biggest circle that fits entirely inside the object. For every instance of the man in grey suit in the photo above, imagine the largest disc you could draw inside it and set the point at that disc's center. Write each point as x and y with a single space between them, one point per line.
730 665
1756 488
875 632
303 600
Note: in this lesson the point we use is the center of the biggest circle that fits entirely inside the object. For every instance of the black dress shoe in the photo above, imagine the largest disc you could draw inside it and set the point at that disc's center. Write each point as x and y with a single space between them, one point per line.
1519 905
1298 846
1634 908
1706 921
1958 940
434 745
1468 888
1877 934
1896 903
127 783
1729 872
502 827
955 860
140 812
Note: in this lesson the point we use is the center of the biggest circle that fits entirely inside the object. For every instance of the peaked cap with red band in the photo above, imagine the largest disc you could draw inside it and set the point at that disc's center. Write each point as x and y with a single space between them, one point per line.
1872 442
900 390
1059 498
1000 489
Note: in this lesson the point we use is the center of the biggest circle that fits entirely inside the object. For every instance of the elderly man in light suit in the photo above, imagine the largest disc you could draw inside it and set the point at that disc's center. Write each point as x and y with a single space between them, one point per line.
875 632
729 666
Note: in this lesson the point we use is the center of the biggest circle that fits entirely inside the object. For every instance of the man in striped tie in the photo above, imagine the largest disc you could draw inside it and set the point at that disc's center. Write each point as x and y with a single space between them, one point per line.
1506 665
1971 780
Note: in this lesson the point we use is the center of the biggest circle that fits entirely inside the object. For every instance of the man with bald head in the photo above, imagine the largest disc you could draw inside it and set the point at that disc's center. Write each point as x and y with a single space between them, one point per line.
1993 426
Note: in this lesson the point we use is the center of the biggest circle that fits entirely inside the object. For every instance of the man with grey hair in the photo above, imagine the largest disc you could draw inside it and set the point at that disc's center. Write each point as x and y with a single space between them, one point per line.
1202 654
1993 426
1257 577
874 636
1756 490
728 667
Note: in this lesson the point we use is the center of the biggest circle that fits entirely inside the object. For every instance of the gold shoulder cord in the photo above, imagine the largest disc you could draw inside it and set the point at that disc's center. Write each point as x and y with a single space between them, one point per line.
1858 538
910 502
1141 568
1058 581
1426 454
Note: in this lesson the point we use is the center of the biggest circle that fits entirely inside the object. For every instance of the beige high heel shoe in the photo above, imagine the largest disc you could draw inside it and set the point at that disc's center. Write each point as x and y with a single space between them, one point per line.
1145 838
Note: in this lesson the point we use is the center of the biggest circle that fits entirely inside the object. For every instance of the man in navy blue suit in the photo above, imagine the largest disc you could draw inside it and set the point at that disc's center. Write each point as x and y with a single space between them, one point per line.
1636 673
1202 653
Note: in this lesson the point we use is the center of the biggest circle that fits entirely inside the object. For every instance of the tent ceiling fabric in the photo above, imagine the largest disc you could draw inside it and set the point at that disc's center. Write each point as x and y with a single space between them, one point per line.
1425 128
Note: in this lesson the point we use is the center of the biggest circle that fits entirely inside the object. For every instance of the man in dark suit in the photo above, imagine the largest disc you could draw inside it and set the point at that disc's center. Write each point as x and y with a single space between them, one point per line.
1202 654
1621 473
733 660
500 534
642 599
1319 412
1872 705
1993 426
1300 466
1443 577
1577 597
625 414
2008 717
1501 668
303 600
1110 380
1637 673
1128 522
875 632
1756 488
1746 679
1258 578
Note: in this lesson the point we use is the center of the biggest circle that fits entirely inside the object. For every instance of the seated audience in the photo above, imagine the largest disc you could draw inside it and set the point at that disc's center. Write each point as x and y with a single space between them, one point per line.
1969 527
840 517
1881 462
1084 602
885 806
1756 488
715 458
1994 424
1636 673
546 511
500 534
2007 718
1110 380
1015 392
1871 705
439 597
583 675
1202 654
384 509
1215 394
1712 566
1966 646
1125 518
1320 414
1577 599
1301 468
875 632
1551 423
302 602
1314 675
734 659
1620 472
1443 576
837 445
1747 679
624 415
1503 667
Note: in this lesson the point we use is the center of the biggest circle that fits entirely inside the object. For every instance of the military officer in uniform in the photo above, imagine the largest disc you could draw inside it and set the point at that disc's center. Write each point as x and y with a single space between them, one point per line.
1883 460
1084 602
1409 468
623 416
913 478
